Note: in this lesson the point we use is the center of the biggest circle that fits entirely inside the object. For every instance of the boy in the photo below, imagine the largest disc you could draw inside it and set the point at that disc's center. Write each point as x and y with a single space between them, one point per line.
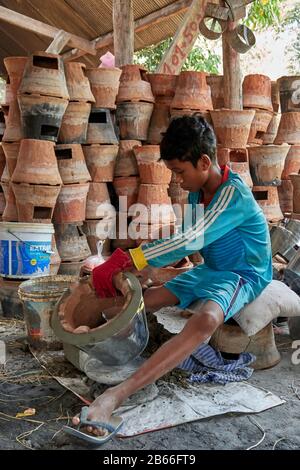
233 238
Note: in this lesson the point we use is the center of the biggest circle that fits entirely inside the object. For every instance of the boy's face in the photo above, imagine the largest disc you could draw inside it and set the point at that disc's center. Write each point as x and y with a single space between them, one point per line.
191 178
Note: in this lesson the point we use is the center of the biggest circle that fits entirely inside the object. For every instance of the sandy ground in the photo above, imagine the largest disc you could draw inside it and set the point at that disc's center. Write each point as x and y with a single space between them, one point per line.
25 384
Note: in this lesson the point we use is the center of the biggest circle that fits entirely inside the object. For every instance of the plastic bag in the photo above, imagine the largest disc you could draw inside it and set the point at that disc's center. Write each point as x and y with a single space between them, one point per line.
92 261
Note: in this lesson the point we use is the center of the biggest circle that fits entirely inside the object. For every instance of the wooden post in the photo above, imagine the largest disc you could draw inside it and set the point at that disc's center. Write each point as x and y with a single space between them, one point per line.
184 39
232 73
123 26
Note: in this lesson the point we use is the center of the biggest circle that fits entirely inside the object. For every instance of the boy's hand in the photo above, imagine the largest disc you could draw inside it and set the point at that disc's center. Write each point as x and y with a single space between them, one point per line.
102 275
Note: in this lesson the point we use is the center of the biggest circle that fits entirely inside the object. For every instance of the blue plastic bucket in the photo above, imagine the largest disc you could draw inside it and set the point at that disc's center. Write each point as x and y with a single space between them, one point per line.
25 249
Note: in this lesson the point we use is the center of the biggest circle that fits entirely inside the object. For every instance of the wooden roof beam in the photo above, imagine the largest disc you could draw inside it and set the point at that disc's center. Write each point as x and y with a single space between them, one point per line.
106 40
38 27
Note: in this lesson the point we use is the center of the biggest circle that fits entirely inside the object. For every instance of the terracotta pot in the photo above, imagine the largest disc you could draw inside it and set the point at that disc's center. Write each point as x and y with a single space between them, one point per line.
259 126
10 213
126 164
71 242
257 92
71 204
35 203
275 96
13 128
179 198
159 123
190 112
285 194
105 85
289 129
267 199
192 92
232 126
15 68
266 164
292 162
11 152
151 170
163 85
96 230
75 123
5 178
133 120
295 179
100 127
2 201
157 205
78 83
37 163
216 83
242 169
41 116
44 74
55 259
98 203
133 85
70 268
225 155
71 164
289 92
2 124
3 161
100 160
270 134
128 188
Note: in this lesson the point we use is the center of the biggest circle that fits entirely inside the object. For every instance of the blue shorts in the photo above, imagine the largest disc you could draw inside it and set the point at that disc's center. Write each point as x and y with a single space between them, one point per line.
226 288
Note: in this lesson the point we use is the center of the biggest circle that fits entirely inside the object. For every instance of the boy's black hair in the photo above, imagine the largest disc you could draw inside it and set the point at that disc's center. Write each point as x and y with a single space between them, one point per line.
187 139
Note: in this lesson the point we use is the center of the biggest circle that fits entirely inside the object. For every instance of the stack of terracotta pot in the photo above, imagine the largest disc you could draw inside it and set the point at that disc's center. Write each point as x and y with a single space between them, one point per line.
134 103
126 185
154 215
12 135
266 160
289 131
100 152
163 88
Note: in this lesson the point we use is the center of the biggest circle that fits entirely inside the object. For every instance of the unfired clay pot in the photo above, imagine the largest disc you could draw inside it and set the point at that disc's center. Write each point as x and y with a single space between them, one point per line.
226 155
289 129
71 164
37 163
75 123
126 164
11 152
157 203
285 193
192 92
243 170
35 203
71 242
128 187
270 134
259 126
289 92
98 203
78 83
71 204
216 83
15 68
151 170
133 120
275 96
292 162
232 126
100 128
266 164
163 86
44 74
100 160
257 92
105 85
159 123
295 179
267 199
134 85
10 213
13 128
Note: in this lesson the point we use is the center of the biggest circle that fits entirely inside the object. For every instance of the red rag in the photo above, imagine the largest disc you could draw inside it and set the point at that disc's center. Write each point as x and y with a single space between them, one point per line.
102 275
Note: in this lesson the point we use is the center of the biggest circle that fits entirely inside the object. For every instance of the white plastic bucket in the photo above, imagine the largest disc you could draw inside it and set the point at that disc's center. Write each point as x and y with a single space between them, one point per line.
25 249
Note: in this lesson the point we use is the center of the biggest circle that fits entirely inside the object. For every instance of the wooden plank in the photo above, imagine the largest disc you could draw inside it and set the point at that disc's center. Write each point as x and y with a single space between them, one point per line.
123 26
139 25
184 39
61 39
29 24
232 73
